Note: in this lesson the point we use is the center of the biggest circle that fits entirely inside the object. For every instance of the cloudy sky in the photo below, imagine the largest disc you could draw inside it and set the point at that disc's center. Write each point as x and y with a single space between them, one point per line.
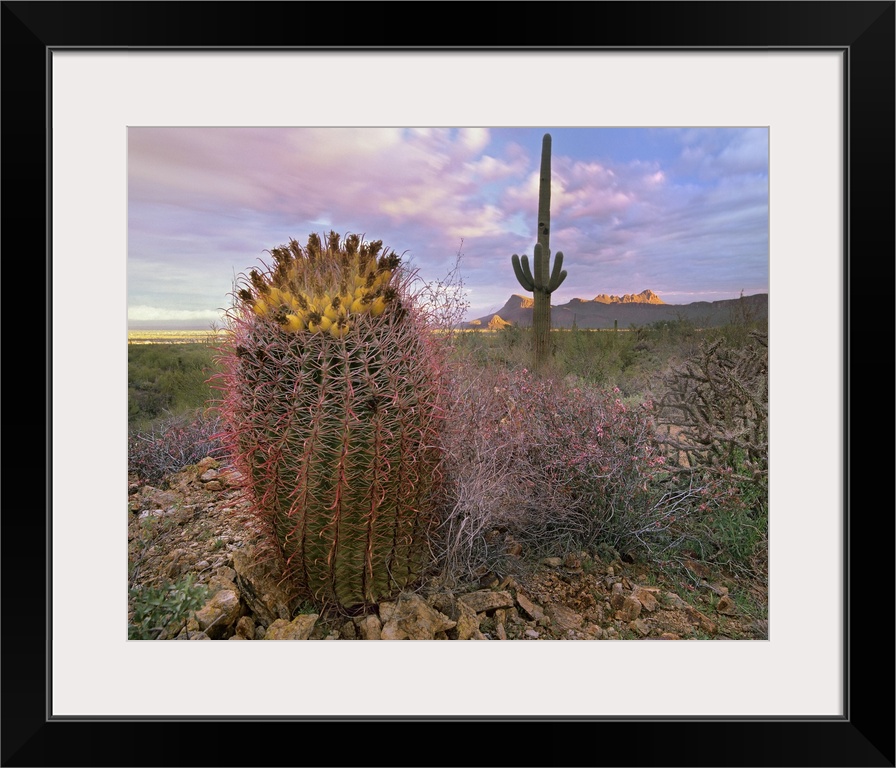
680 211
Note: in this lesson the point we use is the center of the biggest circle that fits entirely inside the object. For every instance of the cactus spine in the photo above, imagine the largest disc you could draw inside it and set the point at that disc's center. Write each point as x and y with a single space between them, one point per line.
544 280
331 404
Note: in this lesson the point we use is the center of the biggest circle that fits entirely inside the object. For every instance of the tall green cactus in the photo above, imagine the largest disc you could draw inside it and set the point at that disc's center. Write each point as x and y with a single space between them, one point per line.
331 401
542 285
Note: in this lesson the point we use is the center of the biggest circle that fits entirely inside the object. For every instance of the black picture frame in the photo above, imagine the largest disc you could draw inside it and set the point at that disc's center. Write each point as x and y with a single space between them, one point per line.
864 736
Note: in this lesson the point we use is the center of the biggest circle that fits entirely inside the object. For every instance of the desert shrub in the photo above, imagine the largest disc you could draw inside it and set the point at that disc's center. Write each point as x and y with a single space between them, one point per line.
443 301
713 428
554 467
163 611
715 409
171 444
165 379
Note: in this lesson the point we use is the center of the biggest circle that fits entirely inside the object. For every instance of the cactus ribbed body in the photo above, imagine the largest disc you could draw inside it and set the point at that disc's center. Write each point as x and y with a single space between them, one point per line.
539 281
331 397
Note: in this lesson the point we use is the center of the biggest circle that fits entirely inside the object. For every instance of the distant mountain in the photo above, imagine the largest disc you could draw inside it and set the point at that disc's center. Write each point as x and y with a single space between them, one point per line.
645 297
604 311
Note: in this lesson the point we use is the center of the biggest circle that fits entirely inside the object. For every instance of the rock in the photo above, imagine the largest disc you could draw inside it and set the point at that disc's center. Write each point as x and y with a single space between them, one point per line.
552 562
387 610
219 614
259 585
639 626
225 572
533 611
716 589
486 600
154 498
208 463
157 513
412 618
245 628
726 606
489 580
564 618
512 547
704 622
631 609
674 601
646 597
231 478
445 602
467 624
369 627
178 563
217 584
617 596
299 628
531 633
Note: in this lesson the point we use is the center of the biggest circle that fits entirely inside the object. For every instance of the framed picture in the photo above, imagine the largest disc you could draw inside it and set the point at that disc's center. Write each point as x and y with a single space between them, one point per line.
818 75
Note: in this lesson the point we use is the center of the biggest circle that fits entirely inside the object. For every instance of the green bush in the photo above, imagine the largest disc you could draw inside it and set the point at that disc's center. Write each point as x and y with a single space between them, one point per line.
167 380
164 610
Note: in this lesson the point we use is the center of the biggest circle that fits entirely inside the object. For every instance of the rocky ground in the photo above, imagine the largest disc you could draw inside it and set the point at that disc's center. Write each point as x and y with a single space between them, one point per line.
199 526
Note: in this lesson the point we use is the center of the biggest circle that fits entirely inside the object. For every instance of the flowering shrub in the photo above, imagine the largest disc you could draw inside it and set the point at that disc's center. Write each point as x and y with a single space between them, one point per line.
555 466
171 445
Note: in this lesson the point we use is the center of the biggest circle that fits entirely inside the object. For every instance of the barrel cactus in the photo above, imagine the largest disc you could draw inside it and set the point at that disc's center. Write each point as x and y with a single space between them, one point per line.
331 399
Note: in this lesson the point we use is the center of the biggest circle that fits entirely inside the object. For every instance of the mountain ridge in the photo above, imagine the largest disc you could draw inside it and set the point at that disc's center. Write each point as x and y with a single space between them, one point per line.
606 311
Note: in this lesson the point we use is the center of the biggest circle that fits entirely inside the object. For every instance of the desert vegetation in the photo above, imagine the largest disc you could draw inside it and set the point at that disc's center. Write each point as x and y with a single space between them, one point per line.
648 441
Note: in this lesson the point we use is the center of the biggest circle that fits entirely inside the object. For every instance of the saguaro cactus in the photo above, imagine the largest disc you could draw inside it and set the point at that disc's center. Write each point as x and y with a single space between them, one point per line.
543 281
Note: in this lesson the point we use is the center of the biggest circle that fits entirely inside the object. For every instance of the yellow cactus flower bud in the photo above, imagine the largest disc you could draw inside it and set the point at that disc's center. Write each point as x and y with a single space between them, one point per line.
378 306
260 307
362 303
325 323
334 309
313 320
382 278
293 324
339 328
